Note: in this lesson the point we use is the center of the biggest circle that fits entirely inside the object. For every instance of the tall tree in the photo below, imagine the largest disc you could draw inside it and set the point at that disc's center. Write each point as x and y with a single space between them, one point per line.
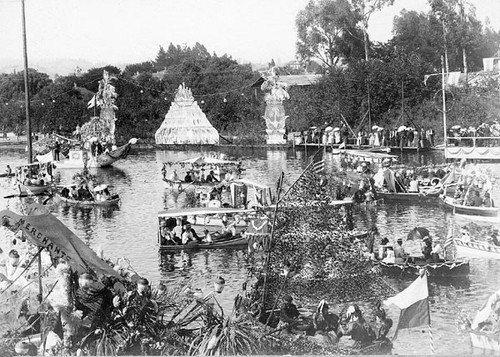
366 8
326 31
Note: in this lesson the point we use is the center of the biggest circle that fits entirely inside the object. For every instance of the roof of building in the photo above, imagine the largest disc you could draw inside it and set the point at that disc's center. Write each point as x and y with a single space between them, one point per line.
293 80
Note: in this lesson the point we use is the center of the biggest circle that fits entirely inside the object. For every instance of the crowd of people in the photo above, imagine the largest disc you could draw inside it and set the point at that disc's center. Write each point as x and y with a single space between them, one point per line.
333 326
377 136
179 231
484 135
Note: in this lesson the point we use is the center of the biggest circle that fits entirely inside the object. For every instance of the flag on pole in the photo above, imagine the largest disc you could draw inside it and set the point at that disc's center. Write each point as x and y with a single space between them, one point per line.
449 241
91 103
414 305
318 167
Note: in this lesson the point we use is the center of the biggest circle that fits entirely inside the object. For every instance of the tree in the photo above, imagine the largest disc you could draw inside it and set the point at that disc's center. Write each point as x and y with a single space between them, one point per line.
326 31
366 8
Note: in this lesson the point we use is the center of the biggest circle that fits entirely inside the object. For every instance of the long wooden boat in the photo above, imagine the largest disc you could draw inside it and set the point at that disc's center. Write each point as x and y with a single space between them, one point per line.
408 197
236 242
114 200
486 341
448 203
459 267
477 249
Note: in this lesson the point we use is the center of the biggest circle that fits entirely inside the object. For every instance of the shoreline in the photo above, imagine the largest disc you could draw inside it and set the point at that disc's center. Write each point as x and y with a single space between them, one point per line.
144 146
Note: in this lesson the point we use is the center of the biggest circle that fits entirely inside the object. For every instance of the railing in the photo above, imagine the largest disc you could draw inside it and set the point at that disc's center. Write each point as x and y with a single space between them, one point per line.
474 141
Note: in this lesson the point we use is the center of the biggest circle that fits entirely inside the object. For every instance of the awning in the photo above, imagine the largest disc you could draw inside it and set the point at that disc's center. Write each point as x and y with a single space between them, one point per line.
43 229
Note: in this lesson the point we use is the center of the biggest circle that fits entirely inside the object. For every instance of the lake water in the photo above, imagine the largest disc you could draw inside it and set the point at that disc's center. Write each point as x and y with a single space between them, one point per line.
130 231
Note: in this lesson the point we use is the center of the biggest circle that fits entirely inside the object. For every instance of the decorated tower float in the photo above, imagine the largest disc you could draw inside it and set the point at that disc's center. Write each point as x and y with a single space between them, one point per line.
97 146
185 122
275 111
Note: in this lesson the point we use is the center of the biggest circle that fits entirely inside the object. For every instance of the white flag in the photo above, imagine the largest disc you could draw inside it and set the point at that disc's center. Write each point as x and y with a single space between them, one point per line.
91 103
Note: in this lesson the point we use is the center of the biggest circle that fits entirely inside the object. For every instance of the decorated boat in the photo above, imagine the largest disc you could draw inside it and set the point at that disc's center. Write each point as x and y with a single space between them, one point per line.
227 227
474 249
96 146
484 327
458 267
201 171
450 204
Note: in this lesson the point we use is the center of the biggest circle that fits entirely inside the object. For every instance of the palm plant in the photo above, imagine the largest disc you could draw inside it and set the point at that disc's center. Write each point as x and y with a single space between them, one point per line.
234 334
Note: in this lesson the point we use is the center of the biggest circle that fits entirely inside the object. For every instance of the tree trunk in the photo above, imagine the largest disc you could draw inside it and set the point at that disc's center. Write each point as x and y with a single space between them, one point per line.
445 50
464 57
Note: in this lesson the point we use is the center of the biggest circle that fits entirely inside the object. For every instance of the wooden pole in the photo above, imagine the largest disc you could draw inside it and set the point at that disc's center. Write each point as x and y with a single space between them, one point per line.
444 104
26 88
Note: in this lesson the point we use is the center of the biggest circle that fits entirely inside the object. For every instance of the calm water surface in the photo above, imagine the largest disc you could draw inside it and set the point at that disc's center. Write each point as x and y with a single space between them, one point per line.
130 231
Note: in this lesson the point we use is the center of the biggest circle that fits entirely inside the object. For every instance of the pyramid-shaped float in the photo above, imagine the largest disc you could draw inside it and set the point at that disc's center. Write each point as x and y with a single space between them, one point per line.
185 123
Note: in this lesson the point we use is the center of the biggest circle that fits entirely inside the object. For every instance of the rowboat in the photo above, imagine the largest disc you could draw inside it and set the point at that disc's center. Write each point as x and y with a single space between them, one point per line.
448 203
477 249
458 267
114 200
235 242
34 189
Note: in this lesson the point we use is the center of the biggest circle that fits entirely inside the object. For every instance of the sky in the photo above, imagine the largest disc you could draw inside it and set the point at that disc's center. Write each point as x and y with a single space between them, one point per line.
131 31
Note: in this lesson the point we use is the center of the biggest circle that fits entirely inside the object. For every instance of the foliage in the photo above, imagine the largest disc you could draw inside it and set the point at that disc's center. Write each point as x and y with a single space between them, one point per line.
326 30
312 236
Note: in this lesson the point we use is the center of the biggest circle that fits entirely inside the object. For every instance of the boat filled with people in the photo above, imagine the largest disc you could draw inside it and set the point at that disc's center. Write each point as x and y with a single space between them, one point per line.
34 178
202 171
418 251
470 195
85 192
211 228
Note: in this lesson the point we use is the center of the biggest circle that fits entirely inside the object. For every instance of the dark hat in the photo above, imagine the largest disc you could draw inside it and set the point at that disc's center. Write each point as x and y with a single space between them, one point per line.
288 298
14 254
399 240
87 276
143 281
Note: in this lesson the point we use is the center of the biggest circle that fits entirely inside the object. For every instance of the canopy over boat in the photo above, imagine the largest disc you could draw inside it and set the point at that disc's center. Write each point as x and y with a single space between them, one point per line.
207 160
203 212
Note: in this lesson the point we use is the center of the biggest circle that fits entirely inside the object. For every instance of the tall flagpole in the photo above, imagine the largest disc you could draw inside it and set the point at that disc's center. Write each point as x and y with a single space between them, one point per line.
26 89
28 129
